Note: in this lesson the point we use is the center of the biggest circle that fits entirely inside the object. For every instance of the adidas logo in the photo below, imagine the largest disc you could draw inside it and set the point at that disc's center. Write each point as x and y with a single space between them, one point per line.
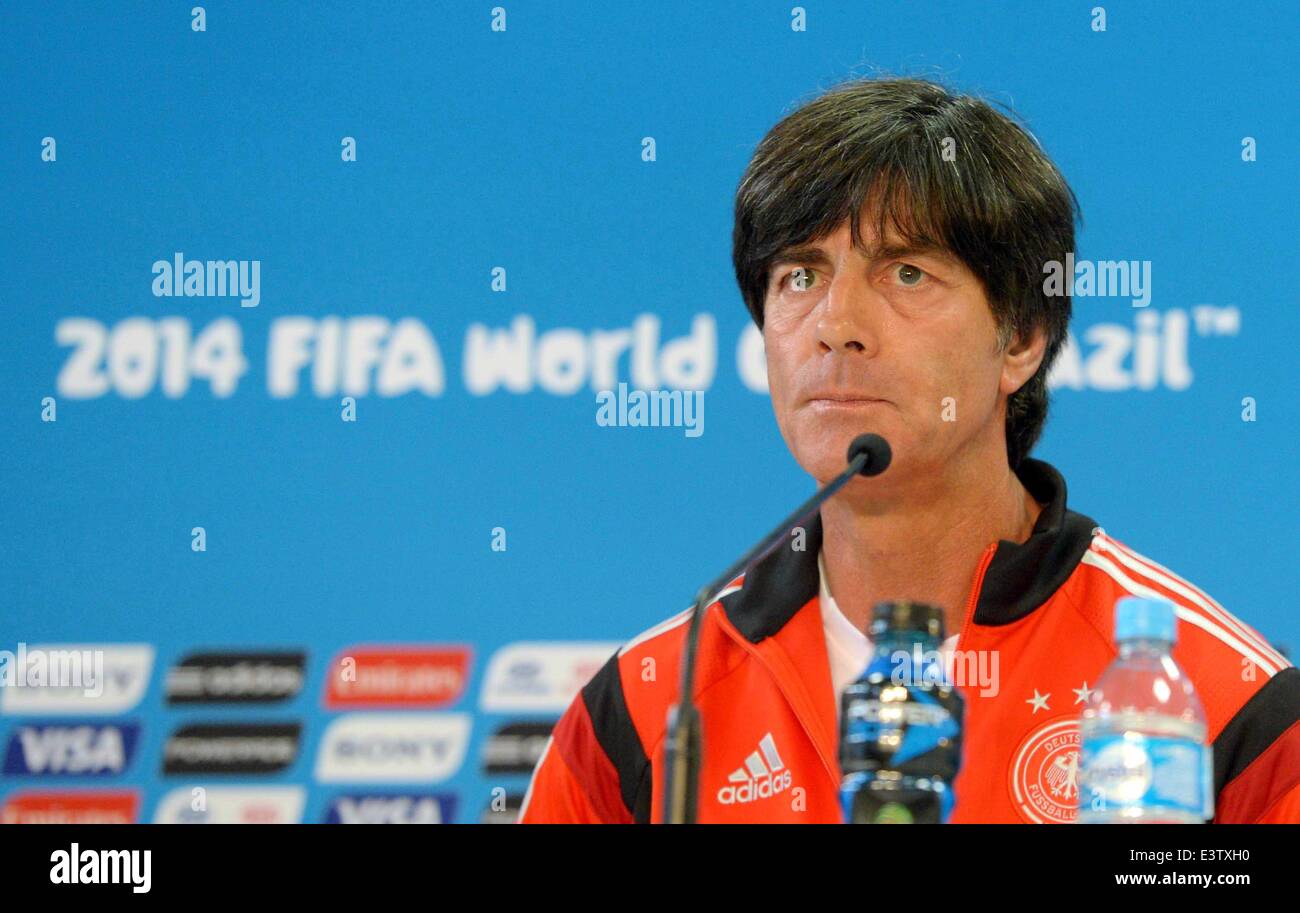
763 775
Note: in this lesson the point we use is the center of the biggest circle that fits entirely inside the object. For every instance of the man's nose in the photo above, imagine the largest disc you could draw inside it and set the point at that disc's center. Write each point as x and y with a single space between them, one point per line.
846 323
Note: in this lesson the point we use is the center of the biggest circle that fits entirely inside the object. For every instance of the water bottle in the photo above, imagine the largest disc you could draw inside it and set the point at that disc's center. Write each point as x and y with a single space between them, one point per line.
900 723
1143 757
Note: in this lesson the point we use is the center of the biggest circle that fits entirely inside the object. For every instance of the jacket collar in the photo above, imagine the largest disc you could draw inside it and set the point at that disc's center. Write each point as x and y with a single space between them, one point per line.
1019 579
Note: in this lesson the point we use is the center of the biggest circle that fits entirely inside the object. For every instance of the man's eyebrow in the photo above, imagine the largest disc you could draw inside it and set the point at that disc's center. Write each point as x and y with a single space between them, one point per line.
801 253
815 254
896 251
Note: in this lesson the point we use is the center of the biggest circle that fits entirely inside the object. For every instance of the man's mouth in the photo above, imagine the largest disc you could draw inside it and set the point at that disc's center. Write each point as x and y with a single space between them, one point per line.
843 400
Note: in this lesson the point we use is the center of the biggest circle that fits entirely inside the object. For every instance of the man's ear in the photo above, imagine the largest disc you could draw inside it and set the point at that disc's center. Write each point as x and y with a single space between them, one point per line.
1021 359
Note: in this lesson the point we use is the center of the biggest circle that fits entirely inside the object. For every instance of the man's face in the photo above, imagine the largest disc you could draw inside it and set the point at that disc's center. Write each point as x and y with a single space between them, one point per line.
901 343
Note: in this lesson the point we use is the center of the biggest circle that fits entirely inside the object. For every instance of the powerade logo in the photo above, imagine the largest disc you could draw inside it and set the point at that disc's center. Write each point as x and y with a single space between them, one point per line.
236 678
515 748
909 713
223 748
62 750
412 808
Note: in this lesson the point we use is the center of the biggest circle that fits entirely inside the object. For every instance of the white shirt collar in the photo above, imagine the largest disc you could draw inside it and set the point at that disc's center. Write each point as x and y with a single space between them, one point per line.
833 620
849 649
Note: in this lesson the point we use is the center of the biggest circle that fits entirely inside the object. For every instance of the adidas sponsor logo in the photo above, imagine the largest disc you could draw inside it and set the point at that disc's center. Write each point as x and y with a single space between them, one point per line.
762 776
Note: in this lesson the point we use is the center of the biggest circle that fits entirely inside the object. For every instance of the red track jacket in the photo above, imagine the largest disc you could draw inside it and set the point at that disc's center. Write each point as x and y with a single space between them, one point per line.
763 689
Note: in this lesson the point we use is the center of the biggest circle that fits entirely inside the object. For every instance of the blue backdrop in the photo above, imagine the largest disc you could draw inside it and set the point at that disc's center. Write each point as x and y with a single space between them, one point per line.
458 166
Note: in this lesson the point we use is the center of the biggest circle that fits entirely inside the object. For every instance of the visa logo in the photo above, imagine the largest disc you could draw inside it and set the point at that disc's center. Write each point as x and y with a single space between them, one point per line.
90 749
409 809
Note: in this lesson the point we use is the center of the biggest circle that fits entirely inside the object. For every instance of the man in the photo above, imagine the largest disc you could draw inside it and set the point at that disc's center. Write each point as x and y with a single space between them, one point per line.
890 240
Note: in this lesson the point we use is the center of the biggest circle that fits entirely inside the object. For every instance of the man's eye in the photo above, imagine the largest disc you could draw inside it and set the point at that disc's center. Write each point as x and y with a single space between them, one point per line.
909 275
800 278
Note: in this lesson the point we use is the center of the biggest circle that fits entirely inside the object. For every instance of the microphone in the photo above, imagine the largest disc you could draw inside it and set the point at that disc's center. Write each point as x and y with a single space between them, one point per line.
868 455
876 451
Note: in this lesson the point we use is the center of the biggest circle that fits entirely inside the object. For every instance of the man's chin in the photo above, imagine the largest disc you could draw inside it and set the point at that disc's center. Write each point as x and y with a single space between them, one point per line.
827 464
828 457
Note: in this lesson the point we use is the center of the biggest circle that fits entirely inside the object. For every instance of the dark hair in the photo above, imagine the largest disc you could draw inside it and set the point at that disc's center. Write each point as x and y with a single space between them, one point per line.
996 202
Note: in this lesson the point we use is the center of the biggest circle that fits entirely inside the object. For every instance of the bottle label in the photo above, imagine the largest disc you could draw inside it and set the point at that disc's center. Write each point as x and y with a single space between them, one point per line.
1132 770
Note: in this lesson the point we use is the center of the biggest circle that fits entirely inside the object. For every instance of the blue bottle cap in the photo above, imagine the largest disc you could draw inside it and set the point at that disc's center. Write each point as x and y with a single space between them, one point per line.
1141 617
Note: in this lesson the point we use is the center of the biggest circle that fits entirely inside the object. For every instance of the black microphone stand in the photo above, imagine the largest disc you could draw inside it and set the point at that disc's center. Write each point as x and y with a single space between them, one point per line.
868 455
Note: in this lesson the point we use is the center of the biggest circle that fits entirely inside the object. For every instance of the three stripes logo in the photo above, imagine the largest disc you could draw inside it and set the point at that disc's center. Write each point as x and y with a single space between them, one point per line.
762 776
